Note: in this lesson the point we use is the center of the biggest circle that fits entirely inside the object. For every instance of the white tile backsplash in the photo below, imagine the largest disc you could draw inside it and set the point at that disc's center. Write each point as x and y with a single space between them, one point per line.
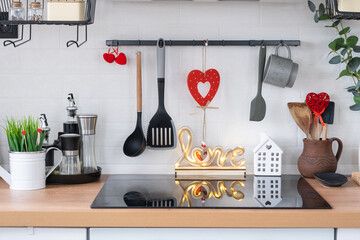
36 78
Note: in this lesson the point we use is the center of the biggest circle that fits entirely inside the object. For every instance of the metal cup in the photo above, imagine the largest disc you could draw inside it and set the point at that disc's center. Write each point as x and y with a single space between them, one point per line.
280 71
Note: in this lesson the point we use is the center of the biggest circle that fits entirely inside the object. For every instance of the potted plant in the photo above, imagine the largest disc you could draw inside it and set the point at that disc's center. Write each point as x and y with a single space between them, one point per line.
343 50
26 156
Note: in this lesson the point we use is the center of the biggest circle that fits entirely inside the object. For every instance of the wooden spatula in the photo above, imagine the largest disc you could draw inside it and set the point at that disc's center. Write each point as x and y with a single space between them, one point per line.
302 116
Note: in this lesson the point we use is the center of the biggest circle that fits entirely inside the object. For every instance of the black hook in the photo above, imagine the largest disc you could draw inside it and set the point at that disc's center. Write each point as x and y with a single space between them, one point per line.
8 42
139 43
223 43
71 42
193 42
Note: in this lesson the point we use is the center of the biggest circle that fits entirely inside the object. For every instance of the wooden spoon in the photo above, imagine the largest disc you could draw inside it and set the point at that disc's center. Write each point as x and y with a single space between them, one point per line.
302 116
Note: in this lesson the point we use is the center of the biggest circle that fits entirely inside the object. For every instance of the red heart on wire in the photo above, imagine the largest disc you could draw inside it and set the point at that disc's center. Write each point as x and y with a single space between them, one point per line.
317 102
195 77
121 59
109 57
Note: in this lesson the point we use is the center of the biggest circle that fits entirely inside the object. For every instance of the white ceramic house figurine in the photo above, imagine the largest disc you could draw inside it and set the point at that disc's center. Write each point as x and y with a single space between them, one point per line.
267 157
267 191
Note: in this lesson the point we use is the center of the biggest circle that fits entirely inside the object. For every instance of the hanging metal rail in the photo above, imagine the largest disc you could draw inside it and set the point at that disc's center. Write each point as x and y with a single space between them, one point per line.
114 43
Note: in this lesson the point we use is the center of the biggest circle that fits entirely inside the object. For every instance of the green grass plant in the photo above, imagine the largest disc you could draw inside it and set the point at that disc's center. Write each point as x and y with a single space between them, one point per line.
24 135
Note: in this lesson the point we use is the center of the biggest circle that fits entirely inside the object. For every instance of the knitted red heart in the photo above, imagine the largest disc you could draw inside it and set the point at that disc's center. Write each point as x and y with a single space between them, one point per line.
195 77
121 59
109 57
317 102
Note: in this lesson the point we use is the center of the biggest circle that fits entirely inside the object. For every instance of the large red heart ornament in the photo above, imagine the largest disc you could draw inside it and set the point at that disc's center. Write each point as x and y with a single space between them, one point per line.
317 102
195 77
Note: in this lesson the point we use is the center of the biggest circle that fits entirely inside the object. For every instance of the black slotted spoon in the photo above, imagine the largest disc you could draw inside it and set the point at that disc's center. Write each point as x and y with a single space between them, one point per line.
161 132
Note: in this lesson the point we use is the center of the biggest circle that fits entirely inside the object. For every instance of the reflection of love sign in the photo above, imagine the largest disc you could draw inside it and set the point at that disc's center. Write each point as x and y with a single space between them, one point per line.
195 77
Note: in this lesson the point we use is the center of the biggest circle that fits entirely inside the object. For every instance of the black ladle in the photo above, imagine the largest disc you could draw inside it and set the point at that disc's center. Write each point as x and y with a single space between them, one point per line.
135 144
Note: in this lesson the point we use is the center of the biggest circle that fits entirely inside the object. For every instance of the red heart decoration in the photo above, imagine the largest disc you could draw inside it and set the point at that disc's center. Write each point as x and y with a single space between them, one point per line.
109 57
212 76
317 102
121 59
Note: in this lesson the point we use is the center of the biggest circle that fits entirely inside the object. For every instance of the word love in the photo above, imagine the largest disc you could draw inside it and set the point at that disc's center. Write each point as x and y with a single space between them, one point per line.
218 155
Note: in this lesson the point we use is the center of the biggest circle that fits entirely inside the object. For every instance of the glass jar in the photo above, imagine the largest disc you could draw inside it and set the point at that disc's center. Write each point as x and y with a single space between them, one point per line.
35 12
17 12
88 153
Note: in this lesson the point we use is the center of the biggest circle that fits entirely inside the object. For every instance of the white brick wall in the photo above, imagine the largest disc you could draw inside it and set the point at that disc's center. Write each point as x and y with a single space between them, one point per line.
36 78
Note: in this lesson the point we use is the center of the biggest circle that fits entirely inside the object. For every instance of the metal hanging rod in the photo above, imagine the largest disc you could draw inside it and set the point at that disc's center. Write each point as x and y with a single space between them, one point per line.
202 42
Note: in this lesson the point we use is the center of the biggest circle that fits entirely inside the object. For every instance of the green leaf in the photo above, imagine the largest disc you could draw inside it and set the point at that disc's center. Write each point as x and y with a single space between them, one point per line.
344 31
335 23
321 9
336 44
335 60
349 89
355 93
352 41
312 6
355 107
324 17
316 17
344 73
356 49
357 86
354 64
357 100
344 51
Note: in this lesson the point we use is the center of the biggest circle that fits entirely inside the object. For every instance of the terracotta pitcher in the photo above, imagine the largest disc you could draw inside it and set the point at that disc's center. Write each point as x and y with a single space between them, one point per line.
318 157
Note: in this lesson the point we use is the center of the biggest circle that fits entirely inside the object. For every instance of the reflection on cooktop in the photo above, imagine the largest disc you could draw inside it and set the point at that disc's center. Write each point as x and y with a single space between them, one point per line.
163 191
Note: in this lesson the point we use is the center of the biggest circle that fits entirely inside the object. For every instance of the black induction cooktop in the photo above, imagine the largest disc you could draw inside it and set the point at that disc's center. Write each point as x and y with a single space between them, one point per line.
163 191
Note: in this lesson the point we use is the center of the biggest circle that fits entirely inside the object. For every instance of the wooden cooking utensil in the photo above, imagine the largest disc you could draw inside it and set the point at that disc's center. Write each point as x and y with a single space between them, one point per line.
302 116
315 131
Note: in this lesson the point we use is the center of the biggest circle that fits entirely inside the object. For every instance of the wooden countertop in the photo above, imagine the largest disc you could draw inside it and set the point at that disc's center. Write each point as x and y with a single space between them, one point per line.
69 206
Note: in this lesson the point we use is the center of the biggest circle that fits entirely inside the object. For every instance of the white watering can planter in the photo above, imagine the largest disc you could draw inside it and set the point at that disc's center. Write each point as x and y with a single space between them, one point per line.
27 170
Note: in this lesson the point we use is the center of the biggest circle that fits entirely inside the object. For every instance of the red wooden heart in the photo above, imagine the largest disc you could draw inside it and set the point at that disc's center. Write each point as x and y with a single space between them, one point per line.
109 57
212 76
121 59
317 102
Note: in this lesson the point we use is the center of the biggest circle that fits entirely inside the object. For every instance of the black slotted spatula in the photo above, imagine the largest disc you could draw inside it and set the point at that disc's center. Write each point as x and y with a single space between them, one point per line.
161 131
328 118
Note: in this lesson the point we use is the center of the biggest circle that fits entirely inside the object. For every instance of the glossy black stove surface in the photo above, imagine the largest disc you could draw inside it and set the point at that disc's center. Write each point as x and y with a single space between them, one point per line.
163 191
